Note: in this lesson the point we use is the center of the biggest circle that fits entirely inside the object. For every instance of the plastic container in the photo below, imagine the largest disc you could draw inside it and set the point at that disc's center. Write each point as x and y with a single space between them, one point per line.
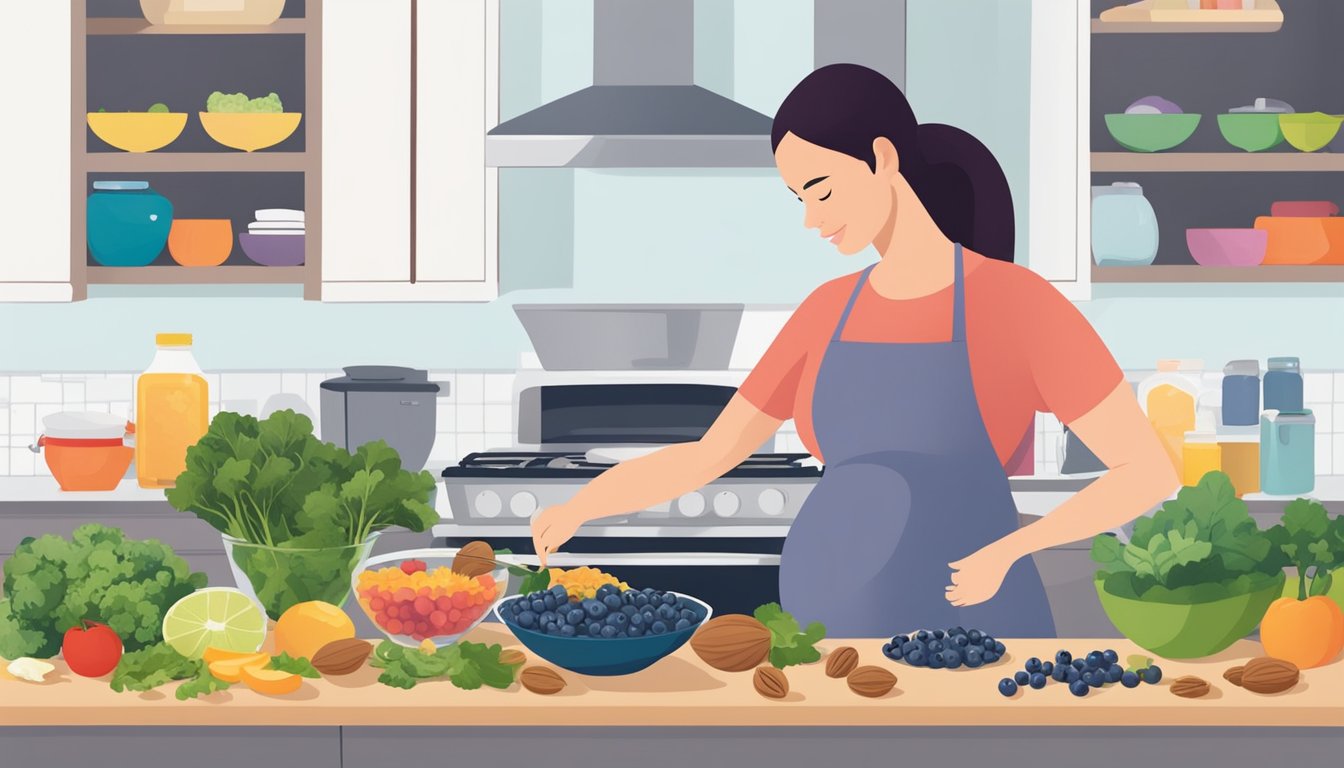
1283 384
1168 398
1241 458
1287 452
1124 226
128 223
172 411
86 451
1241 393
1201 454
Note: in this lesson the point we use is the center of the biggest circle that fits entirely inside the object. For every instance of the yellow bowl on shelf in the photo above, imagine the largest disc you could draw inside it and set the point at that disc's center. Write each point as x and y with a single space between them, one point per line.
1309 131
138 131
250 131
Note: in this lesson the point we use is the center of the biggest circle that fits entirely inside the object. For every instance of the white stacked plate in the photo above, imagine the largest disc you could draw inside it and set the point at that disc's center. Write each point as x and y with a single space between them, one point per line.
276 238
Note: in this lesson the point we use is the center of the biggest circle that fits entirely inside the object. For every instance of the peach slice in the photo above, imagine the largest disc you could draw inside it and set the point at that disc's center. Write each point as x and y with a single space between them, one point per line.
271 682
213 654
231 670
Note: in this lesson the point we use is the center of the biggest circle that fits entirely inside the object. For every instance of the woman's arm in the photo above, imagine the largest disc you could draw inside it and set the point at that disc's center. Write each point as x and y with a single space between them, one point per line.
1141 476
664 474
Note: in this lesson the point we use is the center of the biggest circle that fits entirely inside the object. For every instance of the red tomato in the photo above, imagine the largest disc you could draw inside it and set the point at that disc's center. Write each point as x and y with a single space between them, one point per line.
91 649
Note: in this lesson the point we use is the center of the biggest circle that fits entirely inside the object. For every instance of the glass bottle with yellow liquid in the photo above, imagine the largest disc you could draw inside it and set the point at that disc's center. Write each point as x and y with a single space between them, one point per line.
172 411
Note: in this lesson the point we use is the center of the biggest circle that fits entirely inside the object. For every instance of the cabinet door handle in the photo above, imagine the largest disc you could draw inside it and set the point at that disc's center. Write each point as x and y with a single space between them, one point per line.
410 402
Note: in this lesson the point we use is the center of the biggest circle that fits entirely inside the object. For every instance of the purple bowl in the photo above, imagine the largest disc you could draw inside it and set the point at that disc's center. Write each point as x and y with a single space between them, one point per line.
273 250
1227 247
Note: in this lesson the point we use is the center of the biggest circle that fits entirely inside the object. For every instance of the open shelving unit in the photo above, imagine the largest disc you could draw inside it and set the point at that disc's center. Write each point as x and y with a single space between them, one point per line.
204 168
1216 162
1265 17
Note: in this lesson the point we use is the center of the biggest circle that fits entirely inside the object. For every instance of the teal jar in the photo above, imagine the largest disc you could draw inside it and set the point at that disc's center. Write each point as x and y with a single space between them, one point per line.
1287 452
1124 226
128 223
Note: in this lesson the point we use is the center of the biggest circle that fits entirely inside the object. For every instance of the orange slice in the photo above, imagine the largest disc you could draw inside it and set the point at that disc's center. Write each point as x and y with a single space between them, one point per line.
213 654
271 682
231 670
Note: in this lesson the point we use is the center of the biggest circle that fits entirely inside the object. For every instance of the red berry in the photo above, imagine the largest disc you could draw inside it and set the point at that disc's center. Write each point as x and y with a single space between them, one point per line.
424 606
461 600
409 567
438 619
444 604
454 615
394 626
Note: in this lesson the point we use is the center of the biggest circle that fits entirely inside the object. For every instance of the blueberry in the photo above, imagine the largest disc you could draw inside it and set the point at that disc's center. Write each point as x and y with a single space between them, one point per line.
1094 660
1060 674
1000 648
629 610
935 646
594 629
974 658
560 593
628 596
1047 668
538 606
637 620
548 601
1007 687
1111 657
613 602
990 657
1130 680
951 659
936 660
633 631
955 631
987 643
669 599
608 632
607 589
1098 678
1079 664
516 607
1033 665
1038 681
900 640
689 615
1115 673
975 637
1152 675
922 635
910 646
594 609
985 637
568 630
937 634
527 619
895 654
681 624
916 657
575 616
550 628
960 641
618 620
650 591
659 628
1063 657
1078 688
641 600
1072 675
1022 678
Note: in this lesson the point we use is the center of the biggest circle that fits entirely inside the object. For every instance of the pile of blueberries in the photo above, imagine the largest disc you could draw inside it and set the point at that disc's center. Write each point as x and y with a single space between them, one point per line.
939 649
611 613
1096 669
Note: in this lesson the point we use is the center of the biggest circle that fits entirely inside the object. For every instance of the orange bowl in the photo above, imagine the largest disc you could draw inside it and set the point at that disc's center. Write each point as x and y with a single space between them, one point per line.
1334 235
1294 240
200 242
94 468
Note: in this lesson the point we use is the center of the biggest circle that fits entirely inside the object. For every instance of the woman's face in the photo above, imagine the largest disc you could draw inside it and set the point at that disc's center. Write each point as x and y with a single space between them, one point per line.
843 200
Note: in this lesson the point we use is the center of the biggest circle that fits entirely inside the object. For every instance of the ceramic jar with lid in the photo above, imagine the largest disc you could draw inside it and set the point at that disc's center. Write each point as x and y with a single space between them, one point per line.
128 223
1124 226
1283 384
1287 452
1241 393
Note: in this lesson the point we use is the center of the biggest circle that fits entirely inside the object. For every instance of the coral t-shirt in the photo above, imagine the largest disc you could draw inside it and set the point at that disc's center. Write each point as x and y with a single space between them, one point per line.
1030 350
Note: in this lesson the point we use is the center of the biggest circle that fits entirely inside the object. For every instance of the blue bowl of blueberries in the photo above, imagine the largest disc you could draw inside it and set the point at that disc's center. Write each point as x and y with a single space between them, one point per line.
613 633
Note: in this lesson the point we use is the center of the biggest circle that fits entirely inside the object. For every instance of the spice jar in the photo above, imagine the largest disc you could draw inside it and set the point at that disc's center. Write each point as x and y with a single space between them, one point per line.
1241 393
1283 384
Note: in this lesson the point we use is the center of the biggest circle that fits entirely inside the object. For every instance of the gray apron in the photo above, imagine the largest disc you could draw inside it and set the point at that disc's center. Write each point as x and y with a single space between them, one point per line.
911 484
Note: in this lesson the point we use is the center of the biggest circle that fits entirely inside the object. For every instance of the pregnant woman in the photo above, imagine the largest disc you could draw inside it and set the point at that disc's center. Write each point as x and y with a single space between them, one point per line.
915 380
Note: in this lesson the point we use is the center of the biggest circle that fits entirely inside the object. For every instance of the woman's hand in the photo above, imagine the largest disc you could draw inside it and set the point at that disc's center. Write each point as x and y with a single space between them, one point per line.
978 577
551 528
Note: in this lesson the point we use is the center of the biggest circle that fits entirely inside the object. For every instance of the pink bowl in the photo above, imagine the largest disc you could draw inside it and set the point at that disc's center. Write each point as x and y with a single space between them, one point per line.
1227 247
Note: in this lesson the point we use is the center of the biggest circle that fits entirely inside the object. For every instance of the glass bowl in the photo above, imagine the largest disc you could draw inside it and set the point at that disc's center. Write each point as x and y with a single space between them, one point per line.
413 596
277 578
602 656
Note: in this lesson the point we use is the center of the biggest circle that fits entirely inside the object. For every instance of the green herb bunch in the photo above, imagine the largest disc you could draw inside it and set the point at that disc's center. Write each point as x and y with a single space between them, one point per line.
467 665
1312 542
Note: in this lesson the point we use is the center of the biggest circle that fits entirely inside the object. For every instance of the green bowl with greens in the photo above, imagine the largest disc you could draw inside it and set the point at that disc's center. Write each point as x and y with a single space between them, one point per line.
278 578
1190 630
1251 131
1151 133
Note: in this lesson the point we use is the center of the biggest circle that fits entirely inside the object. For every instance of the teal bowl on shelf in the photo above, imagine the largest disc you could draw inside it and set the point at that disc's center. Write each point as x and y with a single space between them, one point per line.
128 223
1253 132
1151 133
1189 630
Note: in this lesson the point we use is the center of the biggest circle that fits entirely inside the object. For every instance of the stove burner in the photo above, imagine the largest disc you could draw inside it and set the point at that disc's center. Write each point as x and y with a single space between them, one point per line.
575 465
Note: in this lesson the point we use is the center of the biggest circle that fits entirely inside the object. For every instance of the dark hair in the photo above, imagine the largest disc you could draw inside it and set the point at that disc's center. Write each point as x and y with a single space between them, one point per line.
845 107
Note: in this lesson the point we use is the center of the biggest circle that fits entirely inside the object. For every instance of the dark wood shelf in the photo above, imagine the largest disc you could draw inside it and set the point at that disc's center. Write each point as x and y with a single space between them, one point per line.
175 275
1216 162
188 162
133 26
1193 273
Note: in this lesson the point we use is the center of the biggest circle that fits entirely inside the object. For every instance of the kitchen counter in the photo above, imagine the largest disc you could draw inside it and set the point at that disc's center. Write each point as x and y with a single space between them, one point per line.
681 712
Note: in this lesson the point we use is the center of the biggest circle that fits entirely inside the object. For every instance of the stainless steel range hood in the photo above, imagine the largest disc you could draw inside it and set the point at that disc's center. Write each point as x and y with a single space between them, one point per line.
643 109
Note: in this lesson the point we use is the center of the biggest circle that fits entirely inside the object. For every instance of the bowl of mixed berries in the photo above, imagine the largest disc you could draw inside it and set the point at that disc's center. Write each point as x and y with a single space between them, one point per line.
435 595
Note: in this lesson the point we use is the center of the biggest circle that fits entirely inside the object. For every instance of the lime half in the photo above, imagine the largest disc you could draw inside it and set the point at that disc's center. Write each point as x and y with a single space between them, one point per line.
219 617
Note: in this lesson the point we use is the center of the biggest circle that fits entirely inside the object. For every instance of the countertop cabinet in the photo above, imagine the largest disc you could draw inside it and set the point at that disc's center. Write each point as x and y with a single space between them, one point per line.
409 93
35 214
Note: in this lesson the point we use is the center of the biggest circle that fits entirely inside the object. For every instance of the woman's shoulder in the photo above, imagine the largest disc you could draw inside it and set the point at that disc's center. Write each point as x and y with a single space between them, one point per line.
1006 279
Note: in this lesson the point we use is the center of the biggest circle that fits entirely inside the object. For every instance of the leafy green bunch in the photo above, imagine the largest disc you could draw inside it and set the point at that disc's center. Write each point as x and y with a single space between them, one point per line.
1203 545
157 665
239 102
273 483
467 665
98 574
789 643
1312 542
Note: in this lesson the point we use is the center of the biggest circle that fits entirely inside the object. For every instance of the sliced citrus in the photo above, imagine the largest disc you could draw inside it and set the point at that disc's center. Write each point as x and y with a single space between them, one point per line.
231 670
270 681
213 654
219 617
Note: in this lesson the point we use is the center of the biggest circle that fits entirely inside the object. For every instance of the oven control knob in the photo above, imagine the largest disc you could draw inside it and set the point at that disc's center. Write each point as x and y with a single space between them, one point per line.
523 504
488 504
771 501
691 504
726 503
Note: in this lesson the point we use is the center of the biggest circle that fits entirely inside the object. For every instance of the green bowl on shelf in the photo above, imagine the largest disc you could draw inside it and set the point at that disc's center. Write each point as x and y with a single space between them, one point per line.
1251 131
1309 131
1151 133
1189 630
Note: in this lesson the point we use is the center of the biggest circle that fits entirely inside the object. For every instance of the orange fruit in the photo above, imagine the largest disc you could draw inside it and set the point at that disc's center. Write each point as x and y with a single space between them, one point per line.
271 682
231 670
306 627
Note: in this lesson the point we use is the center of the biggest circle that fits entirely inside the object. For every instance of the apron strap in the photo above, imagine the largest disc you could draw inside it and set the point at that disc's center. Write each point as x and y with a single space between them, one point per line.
958 299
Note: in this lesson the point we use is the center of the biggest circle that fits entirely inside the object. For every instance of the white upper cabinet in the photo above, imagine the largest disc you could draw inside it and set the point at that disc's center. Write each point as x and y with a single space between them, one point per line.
35 207
410 208
1060 197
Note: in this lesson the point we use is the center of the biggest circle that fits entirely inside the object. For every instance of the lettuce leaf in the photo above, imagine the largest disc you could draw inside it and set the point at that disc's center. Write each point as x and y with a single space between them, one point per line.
789 644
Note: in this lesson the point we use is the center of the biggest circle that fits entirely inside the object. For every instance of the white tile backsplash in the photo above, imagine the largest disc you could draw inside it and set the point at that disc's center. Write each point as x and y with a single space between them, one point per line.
499 418
72 395
1324 452
498 388
21 462
33 389
1339 387
108 389
4 420
1317 387
470 388
470 418
1337 453
293 384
